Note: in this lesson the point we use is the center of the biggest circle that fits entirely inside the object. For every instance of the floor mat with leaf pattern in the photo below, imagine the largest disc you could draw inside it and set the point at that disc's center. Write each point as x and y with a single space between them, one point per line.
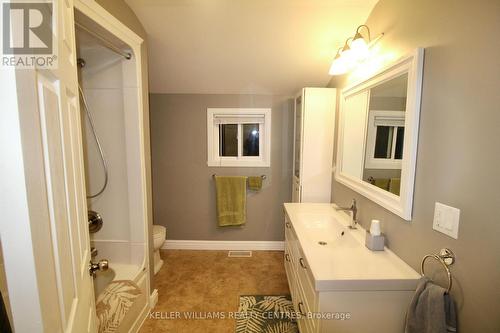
266 314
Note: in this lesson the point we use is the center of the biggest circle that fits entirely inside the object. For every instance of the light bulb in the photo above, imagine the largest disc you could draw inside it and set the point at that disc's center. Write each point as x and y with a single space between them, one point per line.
359 48
341 64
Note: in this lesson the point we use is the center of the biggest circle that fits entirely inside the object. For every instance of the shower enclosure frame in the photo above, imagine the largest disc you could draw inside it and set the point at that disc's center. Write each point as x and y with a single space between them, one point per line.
105 20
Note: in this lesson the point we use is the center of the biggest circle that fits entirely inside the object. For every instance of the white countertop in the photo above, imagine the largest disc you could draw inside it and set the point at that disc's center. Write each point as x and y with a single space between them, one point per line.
345 263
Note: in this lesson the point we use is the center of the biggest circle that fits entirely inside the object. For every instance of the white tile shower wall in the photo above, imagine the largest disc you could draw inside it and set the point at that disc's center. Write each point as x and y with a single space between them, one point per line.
106 106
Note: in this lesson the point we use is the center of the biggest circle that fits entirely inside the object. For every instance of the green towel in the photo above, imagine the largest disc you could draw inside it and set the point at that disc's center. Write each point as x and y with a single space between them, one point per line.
231 200
255 183
394 185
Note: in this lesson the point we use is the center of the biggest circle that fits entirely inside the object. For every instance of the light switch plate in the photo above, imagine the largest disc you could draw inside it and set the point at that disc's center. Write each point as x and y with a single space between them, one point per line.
446 219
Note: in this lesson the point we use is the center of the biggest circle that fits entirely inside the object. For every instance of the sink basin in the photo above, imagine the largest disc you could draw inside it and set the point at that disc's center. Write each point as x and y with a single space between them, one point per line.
337 255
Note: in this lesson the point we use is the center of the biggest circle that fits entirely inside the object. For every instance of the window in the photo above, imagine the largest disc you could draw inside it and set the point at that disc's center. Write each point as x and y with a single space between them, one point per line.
239 137
385 137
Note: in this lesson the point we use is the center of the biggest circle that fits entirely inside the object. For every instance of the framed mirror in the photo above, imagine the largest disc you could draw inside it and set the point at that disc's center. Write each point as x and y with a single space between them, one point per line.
378 134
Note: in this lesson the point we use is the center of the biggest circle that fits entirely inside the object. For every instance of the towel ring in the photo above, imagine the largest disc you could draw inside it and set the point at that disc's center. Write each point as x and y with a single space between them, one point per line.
446 258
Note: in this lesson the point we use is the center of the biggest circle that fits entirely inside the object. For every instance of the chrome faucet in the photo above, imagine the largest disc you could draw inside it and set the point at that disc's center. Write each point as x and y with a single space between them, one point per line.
353 210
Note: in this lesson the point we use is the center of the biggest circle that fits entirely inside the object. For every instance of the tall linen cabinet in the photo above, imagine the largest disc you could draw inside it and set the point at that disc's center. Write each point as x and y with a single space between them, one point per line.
314 130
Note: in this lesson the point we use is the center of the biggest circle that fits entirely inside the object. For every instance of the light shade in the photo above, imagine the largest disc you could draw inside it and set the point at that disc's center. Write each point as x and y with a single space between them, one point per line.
359 47
353 53
338 67
341 64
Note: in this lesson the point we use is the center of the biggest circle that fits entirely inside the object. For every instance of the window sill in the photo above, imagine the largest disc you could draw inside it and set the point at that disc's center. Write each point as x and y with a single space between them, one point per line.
239 164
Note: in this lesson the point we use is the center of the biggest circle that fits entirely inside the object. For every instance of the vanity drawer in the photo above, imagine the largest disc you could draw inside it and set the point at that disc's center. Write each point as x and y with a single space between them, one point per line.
289 233
290 272
289 262
305 280
306 324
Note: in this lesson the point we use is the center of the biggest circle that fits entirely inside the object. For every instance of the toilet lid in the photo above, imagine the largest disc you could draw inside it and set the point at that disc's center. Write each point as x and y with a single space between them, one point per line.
159 231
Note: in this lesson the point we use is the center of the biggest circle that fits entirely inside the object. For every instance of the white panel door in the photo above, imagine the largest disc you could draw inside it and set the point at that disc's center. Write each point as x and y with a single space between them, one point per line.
317 144
353 117
49 106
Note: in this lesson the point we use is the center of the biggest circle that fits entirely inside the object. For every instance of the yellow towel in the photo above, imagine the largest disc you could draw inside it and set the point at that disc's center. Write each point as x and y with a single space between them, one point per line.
394 185
255 183
231 200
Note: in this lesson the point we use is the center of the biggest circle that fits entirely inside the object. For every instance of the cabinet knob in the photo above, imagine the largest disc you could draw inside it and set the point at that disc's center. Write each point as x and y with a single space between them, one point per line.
302 263
299 305
288 225
287 257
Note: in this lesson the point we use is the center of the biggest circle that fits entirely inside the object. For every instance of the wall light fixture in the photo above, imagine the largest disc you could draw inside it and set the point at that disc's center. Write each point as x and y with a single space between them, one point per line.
355 50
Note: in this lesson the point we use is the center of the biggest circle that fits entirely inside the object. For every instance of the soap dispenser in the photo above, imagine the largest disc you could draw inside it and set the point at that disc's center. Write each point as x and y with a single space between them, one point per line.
374 240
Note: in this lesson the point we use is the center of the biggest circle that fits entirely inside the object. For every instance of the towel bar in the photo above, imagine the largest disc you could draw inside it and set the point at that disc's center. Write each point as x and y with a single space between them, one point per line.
262 176
446 258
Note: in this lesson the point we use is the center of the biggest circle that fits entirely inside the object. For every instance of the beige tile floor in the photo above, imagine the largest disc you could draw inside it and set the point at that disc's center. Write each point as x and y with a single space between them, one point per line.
209 281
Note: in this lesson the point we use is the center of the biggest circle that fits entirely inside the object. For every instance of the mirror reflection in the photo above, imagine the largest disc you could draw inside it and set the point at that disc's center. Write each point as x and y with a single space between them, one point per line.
385 134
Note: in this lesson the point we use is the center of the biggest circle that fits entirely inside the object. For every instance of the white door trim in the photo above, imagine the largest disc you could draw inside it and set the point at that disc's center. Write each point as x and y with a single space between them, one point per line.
223 245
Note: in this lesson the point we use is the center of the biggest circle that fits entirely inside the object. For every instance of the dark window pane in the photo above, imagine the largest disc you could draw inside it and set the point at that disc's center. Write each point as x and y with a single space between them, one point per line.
398 154
383 142
250 139
228 140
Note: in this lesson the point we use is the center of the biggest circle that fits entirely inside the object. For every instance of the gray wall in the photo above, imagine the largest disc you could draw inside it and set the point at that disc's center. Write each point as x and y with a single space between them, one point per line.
183 188
458 153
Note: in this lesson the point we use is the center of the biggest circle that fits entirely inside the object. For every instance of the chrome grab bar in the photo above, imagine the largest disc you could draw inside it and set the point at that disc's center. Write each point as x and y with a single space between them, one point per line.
261 176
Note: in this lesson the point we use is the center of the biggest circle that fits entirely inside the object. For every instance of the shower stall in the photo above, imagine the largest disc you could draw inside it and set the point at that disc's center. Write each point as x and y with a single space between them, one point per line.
113 152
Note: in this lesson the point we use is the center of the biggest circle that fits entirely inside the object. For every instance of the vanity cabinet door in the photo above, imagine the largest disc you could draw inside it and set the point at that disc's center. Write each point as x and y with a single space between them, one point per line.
308 295
304 297
290 274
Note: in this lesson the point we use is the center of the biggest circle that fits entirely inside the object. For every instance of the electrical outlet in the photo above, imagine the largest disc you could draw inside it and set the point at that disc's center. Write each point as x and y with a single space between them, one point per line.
446 219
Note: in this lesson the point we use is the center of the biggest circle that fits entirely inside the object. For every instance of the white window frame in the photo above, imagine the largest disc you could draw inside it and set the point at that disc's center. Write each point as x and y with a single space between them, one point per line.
391 119
264 158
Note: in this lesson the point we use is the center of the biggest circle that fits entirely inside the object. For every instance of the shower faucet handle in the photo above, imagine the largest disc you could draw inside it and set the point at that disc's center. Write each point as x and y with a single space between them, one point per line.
95 221
101 266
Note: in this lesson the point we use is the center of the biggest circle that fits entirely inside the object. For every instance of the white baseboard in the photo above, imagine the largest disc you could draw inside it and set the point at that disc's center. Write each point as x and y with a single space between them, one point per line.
223 245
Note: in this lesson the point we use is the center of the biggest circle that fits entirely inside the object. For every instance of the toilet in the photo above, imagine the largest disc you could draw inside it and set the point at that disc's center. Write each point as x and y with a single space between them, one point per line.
159 236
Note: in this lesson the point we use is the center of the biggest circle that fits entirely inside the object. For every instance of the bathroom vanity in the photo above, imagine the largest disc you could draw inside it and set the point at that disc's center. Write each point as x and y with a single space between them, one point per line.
336 283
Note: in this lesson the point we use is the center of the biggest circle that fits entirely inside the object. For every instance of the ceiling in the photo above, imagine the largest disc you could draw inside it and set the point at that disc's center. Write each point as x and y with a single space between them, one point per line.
245 46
